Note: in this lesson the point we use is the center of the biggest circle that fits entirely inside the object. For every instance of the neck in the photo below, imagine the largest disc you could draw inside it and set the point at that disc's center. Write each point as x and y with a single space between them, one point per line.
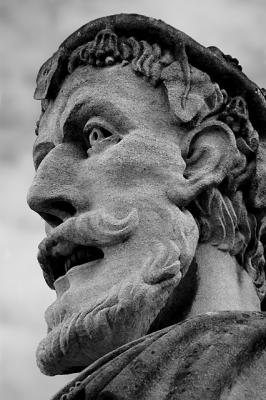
222 283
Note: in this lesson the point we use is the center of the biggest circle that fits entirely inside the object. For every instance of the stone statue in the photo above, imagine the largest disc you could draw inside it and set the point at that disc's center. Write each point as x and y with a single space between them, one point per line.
150 175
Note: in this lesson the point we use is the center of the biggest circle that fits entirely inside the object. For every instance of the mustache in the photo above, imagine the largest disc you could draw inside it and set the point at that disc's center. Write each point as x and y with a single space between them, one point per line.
92 228
89 231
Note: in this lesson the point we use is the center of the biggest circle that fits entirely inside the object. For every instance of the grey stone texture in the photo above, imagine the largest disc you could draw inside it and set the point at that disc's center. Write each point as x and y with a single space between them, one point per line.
150 176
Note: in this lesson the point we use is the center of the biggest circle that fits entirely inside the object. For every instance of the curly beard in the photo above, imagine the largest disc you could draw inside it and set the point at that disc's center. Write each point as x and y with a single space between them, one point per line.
126 311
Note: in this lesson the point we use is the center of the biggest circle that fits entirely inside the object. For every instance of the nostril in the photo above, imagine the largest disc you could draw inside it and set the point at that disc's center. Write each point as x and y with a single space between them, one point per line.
64 206
52 220
54 212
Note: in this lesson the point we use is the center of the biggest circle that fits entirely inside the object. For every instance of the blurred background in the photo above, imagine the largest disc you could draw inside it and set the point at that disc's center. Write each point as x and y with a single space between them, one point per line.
30 31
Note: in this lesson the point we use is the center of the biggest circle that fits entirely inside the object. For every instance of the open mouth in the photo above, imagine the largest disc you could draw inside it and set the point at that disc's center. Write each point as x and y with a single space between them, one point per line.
55 266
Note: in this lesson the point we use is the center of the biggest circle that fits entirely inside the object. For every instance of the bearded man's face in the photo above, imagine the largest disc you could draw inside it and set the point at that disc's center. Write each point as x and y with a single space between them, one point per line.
107 157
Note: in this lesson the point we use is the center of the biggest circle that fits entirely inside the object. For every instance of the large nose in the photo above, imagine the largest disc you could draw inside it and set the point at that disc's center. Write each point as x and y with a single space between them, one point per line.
53 193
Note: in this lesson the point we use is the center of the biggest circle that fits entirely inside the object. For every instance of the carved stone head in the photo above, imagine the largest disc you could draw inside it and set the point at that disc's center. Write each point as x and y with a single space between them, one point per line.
145 144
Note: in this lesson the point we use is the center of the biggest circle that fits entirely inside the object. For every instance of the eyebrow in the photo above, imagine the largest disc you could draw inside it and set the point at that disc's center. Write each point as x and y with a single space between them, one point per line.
94 107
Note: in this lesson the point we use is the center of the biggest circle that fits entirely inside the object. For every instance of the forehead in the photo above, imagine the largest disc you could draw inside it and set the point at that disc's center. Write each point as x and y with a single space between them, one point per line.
118 86
117 80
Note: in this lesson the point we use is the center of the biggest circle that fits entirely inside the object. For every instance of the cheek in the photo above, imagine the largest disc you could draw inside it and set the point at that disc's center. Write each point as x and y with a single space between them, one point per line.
137 161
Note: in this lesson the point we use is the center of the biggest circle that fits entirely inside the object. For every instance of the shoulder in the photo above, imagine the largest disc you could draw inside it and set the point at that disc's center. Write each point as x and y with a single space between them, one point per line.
212 356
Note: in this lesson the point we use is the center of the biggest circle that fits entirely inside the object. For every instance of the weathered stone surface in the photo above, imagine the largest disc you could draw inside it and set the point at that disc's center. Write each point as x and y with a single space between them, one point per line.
150 176
213 356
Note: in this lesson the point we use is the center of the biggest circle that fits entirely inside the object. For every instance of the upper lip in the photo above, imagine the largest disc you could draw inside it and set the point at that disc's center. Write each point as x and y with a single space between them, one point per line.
56 259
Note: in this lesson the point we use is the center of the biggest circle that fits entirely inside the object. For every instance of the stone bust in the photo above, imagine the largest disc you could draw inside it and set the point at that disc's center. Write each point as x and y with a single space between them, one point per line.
150 175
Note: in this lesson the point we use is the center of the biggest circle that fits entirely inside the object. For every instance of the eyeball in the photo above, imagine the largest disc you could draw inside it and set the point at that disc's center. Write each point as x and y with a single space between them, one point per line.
94 134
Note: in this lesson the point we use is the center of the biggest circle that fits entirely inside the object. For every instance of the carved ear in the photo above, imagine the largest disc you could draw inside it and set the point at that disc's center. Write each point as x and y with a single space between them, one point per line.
210 152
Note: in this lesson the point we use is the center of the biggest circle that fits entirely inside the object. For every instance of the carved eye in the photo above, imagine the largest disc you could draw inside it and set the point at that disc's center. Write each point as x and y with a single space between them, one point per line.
95 134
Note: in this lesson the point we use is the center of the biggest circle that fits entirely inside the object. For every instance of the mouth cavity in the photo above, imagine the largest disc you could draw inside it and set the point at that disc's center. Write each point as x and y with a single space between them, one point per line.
82 255
56 266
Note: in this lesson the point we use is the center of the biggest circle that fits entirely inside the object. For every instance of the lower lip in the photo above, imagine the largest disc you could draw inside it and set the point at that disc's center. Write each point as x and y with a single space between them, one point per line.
75 275
61 285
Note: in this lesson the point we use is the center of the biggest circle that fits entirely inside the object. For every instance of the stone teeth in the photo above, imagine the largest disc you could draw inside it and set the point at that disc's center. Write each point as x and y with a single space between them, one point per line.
67 264
73 258
80 256
76 258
